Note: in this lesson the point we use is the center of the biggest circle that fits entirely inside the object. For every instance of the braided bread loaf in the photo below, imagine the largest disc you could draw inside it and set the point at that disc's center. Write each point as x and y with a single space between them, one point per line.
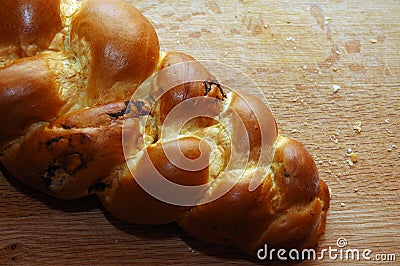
70 127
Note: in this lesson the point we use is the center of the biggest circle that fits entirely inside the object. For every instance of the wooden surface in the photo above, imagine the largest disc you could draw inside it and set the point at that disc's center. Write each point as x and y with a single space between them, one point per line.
297 52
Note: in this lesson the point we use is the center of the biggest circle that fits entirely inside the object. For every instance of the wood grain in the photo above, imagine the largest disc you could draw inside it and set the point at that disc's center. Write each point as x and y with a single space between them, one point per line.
296 51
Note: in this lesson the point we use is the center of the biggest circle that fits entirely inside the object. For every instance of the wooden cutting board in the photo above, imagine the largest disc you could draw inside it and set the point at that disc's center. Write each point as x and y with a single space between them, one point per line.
330 71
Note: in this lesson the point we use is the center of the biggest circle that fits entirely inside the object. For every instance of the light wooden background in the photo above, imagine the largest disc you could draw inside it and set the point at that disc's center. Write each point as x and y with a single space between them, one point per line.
297 52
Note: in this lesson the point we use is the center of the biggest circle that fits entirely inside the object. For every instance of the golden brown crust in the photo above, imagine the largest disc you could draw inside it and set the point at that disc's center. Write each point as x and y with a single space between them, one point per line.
28 94
128 57
256 118
65 158
125 197
126 200
70 128
268 215
193 81
28 25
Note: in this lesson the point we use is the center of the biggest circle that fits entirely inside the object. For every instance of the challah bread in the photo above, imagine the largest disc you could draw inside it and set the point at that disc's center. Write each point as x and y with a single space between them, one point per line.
73 124
27 27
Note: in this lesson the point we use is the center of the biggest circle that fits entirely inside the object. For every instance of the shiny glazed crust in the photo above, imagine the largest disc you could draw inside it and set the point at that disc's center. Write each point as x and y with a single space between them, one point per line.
68 70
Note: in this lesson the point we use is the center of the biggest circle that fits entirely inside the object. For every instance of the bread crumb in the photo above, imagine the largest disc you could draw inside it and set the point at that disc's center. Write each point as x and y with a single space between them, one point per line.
356 190
342 204
372 40
357 127
334 139
335 88
392 147
192 250
353 157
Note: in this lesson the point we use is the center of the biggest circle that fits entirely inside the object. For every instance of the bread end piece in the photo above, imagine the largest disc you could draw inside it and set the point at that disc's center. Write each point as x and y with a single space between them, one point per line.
288 210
